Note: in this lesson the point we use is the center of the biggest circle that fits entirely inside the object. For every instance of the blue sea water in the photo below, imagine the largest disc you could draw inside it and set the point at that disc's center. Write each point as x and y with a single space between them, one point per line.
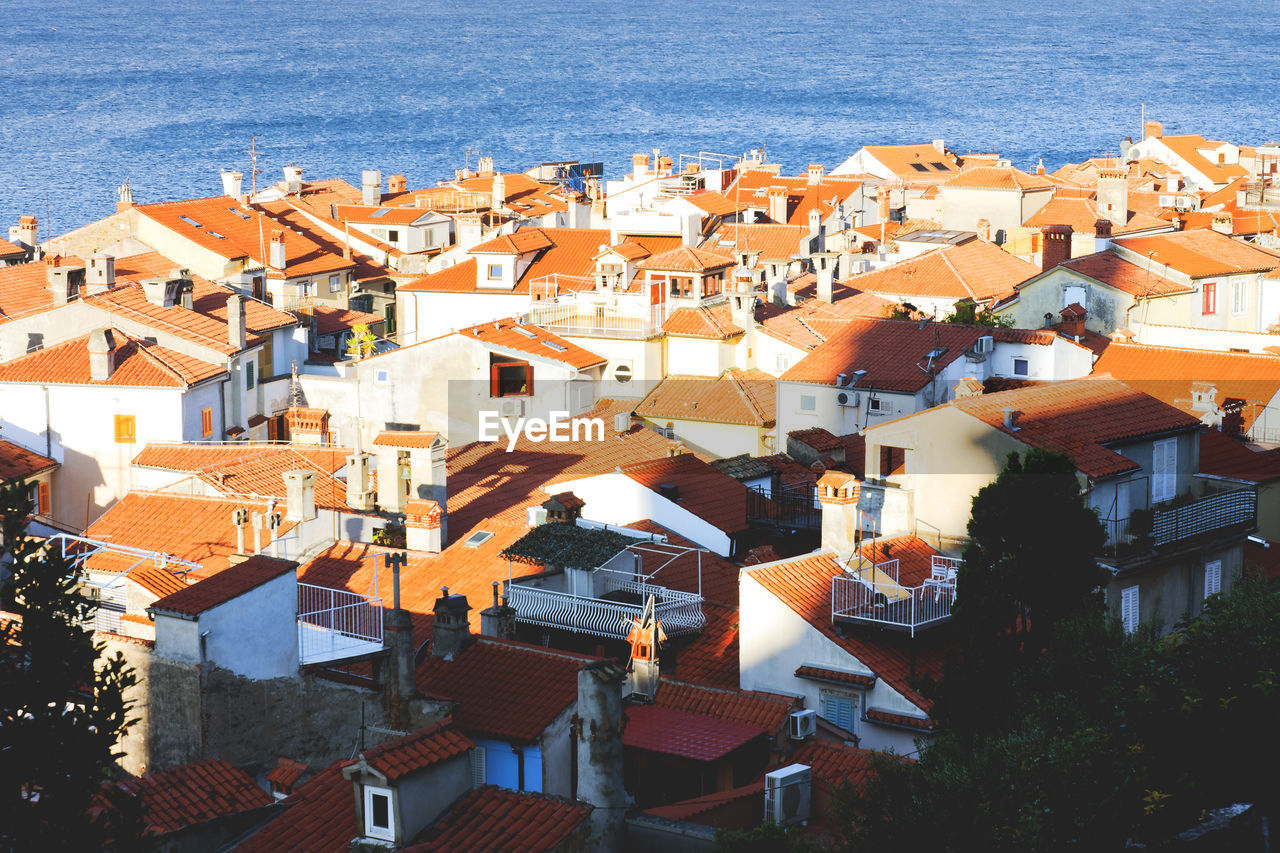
167 92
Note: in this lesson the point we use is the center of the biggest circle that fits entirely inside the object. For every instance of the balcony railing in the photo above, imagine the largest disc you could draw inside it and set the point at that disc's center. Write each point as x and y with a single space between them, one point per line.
1222 512
336 624
592 315
679 612
873 594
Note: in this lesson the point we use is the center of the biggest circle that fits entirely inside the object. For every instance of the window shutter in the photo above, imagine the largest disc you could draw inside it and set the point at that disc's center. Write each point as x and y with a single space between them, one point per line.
477 767
1164 465
528 379
1129 609
206 422
1212 578
838 710
494 385
42 498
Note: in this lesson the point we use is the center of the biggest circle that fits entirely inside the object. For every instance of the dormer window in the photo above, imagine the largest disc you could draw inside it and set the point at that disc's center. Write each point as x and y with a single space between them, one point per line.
378 820
495 272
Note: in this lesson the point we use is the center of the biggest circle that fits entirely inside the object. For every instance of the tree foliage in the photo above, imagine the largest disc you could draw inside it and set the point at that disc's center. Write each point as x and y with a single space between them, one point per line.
62 705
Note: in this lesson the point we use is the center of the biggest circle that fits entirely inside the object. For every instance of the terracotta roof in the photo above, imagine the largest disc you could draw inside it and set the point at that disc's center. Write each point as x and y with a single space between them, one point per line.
201 456
817 438
261 475
1201 253
459 278
571 254
686 259
320 817
379 215
485 677
334 319
195 793
18 463
1079 417
9 250
224 586
812 321
521 242
752 186
185 526
899 159
765 712
1109 268
287 772
406 438
137 364
834 764
804 585
1186 145
24 288
233 231
288 212
905 721
888 350
532 340
1223 456
834 676
997 178
627 249
737 397
713 203
715 323
658 729
711 658
975 270
1082 215
771 242
1168 374
496 820
716 498
159 582
715 809
417 751
719 582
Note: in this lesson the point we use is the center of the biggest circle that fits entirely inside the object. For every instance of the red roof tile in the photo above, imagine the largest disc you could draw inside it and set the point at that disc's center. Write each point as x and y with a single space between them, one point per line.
570 255
137 364
224 586
716 498
888 350
1201 253
997 178
496 820
521 242
201 457
332 320
921 723
9 250
18 463
834 764
686 259
195 793
532 340
287 772
738 397
320 817
715 323
1223 456
976 270
1109 268
764 711
406 438
658 729
417 751
719 581
770 242
159 582
1082 215
711 658
815 673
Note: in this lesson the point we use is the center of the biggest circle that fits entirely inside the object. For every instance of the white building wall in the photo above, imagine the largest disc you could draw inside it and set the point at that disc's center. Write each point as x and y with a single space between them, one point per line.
421 316
256 634
830 415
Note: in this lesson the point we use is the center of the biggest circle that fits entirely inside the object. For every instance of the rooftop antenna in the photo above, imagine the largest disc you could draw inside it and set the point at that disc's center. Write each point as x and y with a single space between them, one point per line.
253 183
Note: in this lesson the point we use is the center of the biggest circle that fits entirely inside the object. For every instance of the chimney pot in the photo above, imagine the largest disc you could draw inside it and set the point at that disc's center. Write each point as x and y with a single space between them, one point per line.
1010 417
371 187
237 331
102 356
1055 246
300 495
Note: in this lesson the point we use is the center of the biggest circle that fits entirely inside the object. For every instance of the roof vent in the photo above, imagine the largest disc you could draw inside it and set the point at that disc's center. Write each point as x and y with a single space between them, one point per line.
670 491
1010 418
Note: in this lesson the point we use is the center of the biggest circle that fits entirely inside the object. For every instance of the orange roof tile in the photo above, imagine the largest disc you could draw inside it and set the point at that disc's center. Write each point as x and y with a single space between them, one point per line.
888 350
288 212
1201 253
1186 145
719 577
9 250
1079 418
202 456
18 463
531 340
715 323
157 581
496 820
714 203
903 160
406 438
521 242
834 764
997 178
417 751
378 215
654 728
224 586
1168 374
761 711
320 817
137 364
771 242
1082 215
330 320
1223 456
716 498
287 772
195 793
737 397
752 187
976 270
570 254
1109 268
686 259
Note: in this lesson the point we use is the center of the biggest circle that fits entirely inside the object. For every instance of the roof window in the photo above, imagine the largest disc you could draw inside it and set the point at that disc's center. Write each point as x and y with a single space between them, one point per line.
190 221
941 167
238 212
552 345
521 330
382 211
920 167
215 234
475 540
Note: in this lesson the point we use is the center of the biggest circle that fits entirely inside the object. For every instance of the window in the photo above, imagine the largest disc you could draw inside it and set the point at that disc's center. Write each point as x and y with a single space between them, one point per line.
393 236
477 766
249 380
206 422
893 460
669 431
40 498
839 709
781 363
495 272
920 167
306 288
1129 609
1210 291
335 283
1164 470
808 403
378 822
382 377
875 404
510 379
1212 578
1020 367
1239 297
126 429
622 373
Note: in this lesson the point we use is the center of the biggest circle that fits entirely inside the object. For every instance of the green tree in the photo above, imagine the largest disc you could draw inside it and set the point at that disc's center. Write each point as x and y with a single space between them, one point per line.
362 341
967 312
62 706
768 837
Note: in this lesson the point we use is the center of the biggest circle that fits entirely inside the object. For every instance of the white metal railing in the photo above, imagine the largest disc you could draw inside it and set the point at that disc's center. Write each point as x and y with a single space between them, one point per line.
679 612
1215 512
874 595
336 623
590 315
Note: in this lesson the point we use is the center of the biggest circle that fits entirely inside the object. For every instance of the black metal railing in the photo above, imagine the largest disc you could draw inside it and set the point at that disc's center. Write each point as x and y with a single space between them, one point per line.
791 506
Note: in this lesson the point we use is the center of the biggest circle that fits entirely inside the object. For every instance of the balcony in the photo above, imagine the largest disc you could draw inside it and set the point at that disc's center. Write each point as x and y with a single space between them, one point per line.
1141 534
336 625
611 615
590 314
874 595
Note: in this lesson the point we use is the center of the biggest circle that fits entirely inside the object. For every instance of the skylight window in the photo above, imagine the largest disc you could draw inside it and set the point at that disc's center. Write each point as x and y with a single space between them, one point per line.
382 211
190 221
920 167
475 540
240 213
552 345
937 353
521 330
941 167
215 234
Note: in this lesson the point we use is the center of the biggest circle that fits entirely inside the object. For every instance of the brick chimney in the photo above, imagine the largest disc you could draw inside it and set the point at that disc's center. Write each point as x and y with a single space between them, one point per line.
1152 128
276 257
838 494
1102 235
1056 246
639 165
778 204
397 184
423 525
1073 320
451 632
102 355
25 234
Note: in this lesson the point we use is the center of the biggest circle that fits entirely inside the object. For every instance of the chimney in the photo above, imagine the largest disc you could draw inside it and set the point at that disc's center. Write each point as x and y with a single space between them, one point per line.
467 230
359 492
838 494
1102 235
499 191
1056 246
621 422
300 495
100 275
816 228
664 166
1152 128
844 271
25 234
102 355
237 331
63 280
1223 223
232 182
451 632
1113 194
815 174
371 187
1125 145
276 251
639 165
484 165
397 631
423 526
883 204
646 638
498 620
1073 321
1173 181
984 229
125 193
1010 418
598 732
397 184
292 179
778 205
940 146
824 264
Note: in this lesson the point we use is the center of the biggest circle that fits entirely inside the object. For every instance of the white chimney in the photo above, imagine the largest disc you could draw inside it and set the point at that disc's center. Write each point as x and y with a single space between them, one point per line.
359 494
231 182
276 256
640 165
815 173
484 165
423 526
371 187
300 495
499 191
778 205
826 286
237 332
940 146
160 292
100 274
293 179
1010 418
468 230
621 422
838 495
102 356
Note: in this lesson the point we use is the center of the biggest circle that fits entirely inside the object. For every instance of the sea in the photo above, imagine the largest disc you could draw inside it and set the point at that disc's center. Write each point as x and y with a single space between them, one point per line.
165 93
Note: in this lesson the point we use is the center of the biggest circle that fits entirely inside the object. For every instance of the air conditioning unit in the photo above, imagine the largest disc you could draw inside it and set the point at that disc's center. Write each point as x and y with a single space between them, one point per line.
512 409
986 344
849 398
802 724
787 793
